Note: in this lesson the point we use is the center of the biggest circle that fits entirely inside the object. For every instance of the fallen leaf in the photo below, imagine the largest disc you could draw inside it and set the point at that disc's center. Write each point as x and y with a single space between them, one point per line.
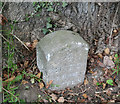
41 85
5 75
48 84
85 82
26 64
90 71
81 100
28 44
10 79
54 97
24 81
34 44
104 85
38 75
85 96
110 57
61 99
3 19
100 55
108 62
100 64
107 51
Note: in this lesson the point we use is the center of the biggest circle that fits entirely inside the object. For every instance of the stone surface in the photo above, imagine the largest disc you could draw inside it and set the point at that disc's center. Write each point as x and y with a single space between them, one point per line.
62 57
29 93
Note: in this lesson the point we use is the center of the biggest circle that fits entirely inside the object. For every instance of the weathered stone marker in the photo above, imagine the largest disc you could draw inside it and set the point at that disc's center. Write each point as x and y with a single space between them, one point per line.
62 57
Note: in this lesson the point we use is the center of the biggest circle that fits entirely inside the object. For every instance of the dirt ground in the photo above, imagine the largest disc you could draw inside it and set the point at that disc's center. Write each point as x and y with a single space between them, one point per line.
97 23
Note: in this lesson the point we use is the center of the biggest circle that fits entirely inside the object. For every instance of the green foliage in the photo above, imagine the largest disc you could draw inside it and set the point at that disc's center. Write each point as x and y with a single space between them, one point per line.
64 4
48 26
49 7
9 93
117 64
110 82
40 5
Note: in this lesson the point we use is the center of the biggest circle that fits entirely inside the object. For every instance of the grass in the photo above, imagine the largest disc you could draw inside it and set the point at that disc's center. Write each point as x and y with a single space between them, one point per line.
9 89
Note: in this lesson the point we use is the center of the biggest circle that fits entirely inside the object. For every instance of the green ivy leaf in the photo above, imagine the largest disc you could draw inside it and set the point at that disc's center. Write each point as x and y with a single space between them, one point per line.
50 9
110 82
64 4
45 30
116 55
49 25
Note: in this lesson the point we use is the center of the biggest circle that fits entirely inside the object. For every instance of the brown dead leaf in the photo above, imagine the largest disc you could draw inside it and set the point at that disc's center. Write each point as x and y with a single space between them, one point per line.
110 57
28 44
3 19
54 97
48 84
24 81
61 99
85 82
108 62
34 44
10 79
41 85
104 85
81 100
5 75
85 96
100 55
100 64
38 75
107 51
91 72
26 64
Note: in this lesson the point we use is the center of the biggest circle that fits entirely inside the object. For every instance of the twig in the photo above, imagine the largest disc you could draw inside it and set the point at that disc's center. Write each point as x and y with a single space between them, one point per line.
5 38
85 90
21 42
10 93
100 97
